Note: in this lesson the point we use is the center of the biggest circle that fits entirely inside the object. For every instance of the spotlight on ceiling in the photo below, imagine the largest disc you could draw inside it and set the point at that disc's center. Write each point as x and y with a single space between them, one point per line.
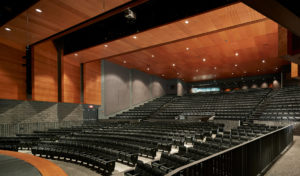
203 59
124 62
215 68
130 16
38 10
235 65
7 29
197 70
105 46
75 54
177 73
173 65
186 21
263 61
148 68
187 48
236 54
135 37
152 55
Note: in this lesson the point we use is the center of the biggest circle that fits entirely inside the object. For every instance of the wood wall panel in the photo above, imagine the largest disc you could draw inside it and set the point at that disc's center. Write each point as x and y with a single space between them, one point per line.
71 81
92 83
295 70
45 72
12 73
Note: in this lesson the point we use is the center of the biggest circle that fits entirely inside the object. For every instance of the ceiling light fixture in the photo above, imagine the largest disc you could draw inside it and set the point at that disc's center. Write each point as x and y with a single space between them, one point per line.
203 59
197 70
276 68
177 73
236 54
152 55
162 75
135 37
148 68
173 65
186 21
245 71
124 62
105 46
263 61
75 54
258 70
232 73
187 48
235 65
7 29
215 68
38 10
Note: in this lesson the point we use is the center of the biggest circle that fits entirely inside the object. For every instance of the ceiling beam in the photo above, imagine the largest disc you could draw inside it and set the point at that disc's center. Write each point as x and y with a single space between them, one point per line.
277 12
93 20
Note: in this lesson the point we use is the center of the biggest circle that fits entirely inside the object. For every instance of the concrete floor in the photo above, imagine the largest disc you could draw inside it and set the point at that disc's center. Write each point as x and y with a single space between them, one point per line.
289 163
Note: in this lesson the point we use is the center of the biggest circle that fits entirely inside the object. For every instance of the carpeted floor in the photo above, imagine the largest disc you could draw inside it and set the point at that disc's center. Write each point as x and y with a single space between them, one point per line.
289 163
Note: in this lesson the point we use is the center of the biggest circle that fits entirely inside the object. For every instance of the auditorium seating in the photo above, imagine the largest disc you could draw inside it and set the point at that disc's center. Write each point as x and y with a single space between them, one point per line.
145 110
283 105
226 105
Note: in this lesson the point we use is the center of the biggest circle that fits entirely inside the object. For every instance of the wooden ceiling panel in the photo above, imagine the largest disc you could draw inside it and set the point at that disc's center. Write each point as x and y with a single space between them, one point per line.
219 19
57 15
219 51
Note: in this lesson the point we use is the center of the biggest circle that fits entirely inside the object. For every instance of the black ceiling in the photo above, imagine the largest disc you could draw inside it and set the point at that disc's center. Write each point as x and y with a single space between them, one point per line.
11 8
292 5
150 14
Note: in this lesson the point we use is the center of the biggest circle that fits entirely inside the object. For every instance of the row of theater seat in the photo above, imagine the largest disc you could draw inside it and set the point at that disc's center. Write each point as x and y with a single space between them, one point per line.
283 105
98 157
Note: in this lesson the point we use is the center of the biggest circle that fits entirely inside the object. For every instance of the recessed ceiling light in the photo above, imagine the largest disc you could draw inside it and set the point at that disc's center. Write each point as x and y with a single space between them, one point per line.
75 54
187 48
105 46
236 54
276 68
38 10
152 55
124 62
186 21
245 71
215 68
148 68
235 65
258 70
232 73
135 37
177 73
263 61
197 70
203 59
162 75
7 29
173 65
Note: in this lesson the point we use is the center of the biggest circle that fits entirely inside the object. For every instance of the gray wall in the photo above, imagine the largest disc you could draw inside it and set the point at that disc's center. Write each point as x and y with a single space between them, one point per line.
17 111
116 88
124 88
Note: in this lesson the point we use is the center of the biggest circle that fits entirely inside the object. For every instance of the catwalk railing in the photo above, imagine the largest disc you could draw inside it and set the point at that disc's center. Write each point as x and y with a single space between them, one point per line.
11 129
247 159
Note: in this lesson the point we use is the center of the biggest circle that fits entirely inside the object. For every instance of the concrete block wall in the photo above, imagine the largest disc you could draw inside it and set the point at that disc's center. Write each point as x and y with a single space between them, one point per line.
16 111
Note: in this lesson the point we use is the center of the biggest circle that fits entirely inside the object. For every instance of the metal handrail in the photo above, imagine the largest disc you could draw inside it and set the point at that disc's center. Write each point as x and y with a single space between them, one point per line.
222 152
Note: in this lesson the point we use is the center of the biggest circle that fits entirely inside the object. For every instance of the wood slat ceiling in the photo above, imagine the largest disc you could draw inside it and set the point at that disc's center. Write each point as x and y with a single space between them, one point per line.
232 15
253 43
216 36
57 15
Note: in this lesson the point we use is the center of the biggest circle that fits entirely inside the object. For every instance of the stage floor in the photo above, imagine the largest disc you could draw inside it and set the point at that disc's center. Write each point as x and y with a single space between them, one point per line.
15 167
